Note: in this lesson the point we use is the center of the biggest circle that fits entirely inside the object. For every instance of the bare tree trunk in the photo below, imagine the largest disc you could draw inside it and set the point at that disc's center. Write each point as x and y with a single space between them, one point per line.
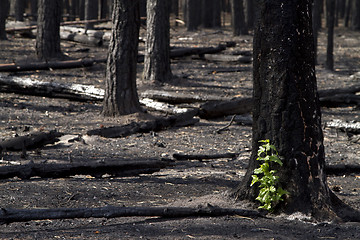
330 14
91 12
355 20
34 9
238 18
192 15
316 24
287 109
120 84
3 15
19 10
157 51
48 29
347 12
250 13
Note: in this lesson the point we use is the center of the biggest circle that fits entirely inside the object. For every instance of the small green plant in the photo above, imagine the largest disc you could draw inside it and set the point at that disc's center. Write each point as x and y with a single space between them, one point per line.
269 193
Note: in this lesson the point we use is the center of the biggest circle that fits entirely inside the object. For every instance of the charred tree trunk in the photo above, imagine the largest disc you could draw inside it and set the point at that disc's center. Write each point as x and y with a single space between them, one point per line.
210 12
157 50
19 10
355 20
238 18
34 8
192 15
3 15
120 84
347 13
91 12
286 107
48 29
330 14
316 24
250 13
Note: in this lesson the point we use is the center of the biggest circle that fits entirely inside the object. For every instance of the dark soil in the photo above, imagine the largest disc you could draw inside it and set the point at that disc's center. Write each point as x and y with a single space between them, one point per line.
188 183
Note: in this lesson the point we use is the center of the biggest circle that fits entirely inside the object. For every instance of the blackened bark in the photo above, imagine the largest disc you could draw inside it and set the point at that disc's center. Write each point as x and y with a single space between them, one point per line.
355 20
34 9
3 15
120 84
347 13
104 8
210 12
250 13
157 50
19 10
316 23
48 29
91 12
192 15
286 106
330 14
238 18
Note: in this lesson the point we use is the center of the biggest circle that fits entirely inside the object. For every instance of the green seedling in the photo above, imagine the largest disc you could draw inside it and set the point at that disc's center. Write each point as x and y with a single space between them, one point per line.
270 194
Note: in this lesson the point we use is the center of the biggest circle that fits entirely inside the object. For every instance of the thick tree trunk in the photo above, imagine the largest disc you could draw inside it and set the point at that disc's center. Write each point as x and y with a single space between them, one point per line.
48 29
211 15
157 50
286 107
120 89
330 14
238 18
316 14
3 15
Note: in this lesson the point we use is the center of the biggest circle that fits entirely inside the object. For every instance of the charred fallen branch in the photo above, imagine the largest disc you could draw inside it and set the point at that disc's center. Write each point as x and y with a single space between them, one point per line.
147 126
342 169
162 107
201 157
28 142
12 67
176 97
22 215
28 86
349 127
228 58
120 168
213 109
340 100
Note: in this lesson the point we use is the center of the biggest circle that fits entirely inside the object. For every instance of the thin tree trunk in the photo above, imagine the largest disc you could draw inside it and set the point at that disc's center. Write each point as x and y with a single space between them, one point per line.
250 13
120 84
91 12
355 20
3 15
316 24
157 50
19 10
192 11
238 18
330 13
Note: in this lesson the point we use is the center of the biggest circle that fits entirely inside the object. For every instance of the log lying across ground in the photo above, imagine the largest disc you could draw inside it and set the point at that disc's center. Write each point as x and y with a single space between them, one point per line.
78 92
30 141
350 127
177 97
201 157
120 168
178 120
228 58
214 109
22 215
79 63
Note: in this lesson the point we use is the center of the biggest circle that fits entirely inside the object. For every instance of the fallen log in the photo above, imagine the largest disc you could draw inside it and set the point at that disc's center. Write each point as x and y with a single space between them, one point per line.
28 86
29 142
228 58
13 67
214 109
29 28
23 215
340 100
158 124
349 127
162 107
332 92
176 97
342 169
120 168
201 157
183 52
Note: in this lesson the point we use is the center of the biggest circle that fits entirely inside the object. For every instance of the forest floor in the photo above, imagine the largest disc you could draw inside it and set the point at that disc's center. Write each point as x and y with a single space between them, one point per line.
187 183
